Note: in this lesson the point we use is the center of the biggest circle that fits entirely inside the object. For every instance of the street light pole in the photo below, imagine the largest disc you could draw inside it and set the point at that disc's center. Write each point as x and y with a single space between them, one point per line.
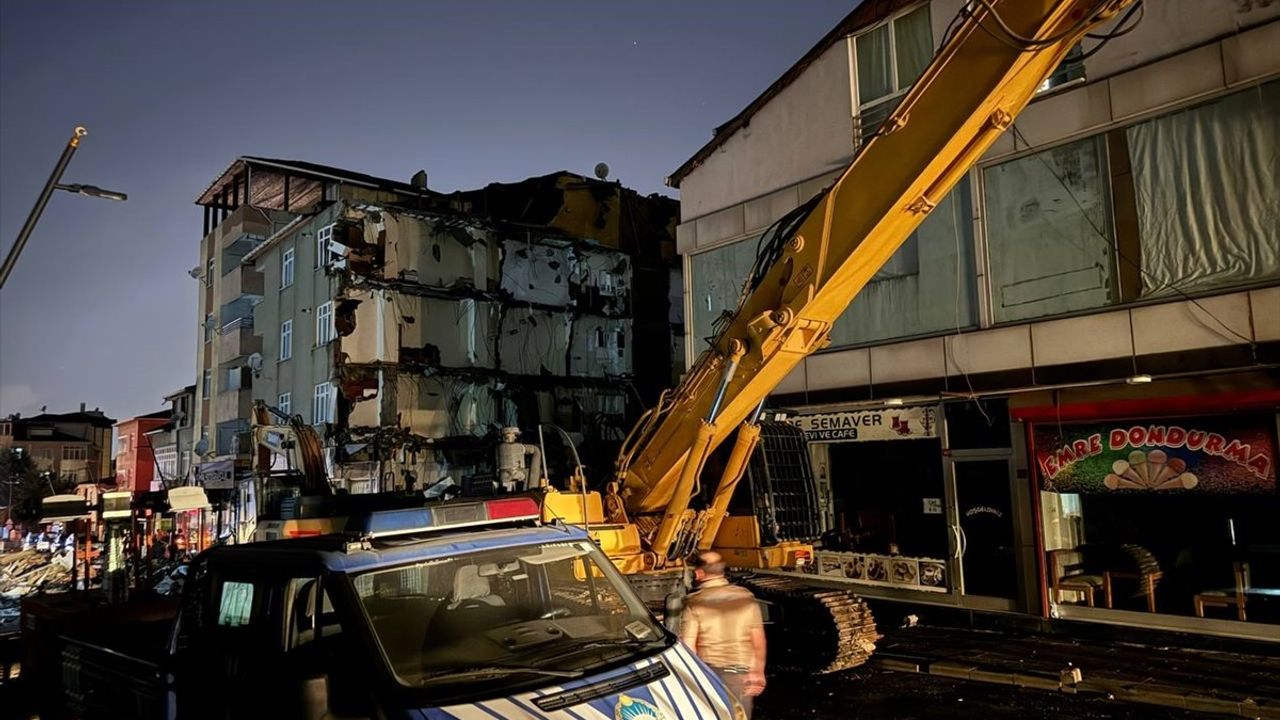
52 184
30 224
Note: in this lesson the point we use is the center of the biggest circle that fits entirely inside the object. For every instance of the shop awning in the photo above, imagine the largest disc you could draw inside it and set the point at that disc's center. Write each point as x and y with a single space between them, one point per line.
63 508
182 499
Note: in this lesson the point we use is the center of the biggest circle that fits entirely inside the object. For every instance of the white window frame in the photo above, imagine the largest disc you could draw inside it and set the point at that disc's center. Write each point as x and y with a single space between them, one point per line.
206 383
286 267
322 403
323 236
325 330
208 273
284 403
209 328
898 91
286 340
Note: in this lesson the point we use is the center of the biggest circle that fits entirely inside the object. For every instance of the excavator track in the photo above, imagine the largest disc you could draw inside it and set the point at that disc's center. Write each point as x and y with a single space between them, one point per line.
814 630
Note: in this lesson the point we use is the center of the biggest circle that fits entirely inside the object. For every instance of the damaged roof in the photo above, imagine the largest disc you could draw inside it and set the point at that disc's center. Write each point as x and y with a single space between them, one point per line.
863 16
310 170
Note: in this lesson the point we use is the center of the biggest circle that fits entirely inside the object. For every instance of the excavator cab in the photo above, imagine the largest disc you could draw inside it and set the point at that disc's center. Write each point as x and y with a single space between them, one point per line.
773 516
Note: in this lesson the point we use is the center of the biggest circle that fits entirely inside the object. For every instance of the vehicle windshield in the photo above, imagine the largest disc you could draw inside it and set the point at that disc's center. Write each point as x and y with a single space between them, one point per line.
505 615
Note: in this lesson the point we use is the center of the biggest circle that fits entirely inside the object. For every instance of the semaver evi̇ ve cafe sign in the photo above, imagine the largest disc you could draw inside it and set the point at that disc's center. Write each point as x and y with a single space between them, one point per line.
900 423
1211 455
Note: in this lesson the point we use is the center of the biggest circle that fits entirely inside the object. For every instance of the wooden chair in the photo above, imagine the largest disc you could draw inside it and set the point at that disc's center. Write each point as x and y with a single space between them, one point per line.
1232 597
1067 574
1147 576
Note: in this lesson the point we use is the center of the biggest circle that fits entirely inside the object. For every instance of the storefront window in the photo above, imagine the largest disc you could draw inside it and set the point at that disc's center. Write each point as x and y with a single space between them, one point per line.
718 276
1218 225
1049 232
889 525
1169 516
927 286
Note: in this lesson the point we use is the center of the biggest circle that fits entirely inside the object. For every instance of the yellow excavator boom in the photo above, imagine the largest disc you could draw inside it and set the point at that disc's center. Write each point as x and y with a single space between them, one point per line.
985 72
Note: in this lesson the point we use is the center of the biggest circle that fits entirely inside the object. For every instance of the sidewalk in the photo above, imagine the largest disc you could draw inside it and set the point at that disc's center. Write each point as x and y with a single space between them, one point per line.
1226 683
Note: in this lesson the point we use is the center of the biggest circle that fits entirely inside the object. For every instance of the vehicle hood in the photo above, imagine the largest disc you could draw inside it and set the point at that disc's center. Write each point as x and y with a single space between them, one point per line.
688 689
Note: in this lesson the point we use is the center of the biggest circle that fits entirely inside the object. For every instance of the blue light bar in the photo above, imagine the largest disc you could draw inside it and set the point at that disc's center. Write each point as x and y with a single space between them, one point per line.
383 523
391 522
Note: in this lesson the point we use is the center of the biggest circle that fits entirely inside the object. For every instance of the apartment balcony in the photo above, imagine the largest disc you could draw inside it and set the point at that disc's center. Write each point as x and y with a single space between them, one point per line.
233 404
236 340
238 283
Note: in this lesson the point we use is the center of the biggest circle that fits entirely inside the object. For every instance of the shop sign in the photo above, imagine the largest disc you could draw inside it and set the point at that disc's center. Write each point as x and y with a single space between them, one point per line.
904 423
1211 455
218 475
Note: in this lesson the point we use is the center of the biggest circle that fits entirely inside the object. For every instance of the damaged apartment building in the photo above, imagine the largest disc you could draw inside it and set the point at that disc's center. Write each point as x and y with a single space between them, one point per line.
409 327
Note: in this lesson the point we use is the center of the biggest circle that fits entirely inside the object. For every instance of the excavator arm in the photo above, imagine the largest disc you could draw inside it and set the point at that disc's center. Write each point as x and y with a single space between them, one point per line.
816 260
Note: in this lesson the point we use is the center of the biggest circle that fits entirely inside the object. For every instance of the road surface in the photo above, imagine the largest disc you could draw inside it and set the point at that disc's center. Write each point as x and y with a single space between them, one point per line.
872 694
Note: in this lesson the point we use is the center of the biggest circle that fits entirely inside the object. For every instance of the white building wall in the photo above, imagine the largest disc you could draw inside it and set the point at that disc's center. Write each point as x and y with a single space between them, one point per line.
1184 52
805 130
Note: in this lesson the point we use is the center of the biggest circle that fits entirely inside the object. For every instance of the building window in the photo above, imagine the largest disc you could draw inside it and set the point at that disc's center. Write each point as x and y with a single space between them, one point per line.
1069 70
74 452
889 58
206 383
122 445
238 378
323 236
286 339
209 329
6 429
286 268
1049 232
322 402
1205 183
325 332
284 403
208 273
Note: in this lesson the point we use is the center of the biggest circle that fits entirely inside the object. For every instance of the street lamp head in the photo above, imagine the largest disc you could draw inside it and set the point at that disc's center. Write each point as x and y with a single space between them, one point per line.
94 191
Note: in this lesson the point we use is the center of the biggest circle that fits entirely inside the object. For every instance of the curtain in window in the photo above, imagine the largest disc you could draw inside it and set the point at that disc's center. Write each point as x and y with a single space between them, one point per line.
1207 188
913 45
927 286
874 77
1049 232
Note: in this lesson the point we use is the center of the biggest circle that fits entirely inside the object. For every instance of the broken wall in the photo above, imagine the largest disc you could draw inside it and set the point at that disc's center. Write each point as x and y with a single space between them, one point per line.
537 271
600 346
438 252
534 342
447 333
440 406
602 282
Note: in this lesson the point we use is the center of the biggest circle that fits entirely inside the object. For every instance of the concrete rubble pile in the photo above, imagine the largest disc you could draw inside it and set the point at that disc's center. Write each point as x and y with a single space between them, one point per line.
27 572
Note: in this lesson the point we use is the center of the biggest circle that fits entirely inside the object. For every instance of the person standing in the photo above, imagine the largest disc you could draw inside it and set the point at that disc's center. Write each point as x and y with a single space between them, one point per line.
722 623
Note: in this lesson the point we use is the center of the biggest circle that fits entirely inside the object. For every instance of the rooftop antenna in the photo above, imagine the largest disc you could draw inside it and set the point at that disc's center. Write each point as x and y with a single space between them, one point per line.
602 171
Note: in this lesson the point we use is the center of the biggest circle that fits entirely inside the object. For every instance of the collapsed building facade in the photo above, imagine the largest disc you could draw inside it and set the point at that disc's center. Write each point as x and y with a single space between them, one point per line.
412 327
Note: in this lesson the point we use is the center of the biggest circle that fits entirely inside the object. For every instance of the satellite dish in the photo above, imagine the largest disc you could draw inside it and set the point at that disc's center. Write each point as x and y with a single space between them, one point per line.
195 271
602 170
202 446
255 362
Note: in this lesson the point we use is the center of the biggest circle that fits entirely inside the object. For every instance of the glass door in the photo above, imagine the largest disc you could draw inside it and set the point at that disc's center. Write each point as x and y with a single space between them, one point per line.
983 527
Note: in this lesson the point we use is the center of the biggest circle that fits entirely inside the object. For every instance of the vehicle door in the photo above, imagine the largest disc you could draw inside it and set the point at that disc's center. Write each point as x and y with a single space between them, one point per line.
229 642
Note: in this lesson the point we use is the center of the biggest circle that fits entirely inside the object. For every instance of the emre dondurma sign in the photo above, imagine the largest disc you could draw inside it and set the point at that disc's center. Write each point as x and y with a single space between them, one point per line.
1228 454
904 423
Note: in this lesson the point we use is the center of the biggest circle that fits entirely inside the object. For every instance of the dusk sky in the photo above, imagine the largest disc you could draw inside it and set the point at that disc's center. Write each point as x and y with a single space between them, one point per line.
100 308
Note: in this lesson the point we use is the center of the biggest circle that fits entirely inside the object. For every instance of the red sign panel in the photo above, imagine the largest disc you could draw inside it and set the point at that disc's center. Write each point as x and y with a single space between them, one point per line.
1234 454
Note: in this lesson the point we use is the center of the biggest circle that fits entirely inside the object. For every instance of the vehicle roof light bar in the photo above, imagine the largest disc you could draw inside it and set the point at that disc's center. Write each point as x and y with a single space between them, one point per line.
407 521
